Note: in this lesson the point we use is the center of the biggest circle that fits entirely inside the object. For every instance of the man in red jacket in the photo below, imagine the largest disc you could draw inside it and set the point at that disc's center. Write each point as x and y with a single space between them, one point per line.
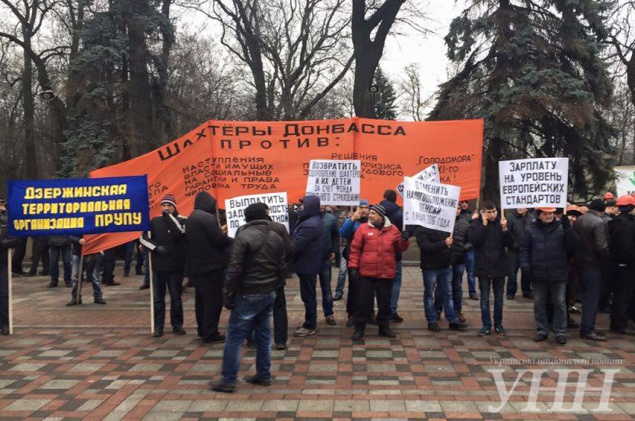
372 268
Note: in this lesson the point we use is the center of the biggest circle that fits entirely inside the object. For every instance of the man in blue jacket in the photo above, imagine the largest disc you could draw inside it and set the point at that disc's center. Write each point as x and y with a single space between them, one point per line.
307 239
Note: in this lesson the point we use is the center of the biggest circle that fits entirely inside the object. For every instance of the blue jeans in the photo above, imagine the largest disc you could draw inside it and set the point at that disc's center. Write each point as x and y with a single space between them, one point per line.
590 279
486 285
341 276
94 280
65 253
557 290
309 298
252 312
325 286
441 278
396 288
469 267
457 290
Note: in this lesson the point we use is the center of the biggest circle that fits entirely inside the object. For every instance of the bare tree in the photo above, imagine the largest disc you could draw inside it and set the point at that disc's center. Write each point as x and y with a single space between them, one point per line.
413 103
296 50
622 39
369 38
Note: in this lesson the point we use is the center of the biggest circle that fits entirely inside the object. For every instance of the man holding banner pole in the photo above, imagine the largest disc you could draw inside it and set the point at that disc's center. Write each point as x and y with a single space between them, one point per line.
167 243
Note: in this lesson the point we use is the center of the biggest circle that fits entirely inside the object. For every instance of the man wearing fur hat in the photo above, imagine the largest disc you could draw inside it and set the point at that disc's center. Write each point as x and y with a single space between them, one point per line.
167 244
373 265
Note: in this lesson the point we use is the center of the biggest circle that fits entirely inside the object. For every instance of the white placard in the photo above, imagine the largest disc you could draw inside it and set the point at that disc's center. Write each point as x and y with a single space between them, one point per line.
531 183
335 182
235 208
625 180
430 205
429 174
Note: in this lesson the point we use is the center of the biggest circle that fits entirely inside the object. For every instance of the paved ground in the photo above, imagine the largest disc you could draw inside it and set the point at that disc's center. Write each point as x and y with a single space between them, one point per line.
96 362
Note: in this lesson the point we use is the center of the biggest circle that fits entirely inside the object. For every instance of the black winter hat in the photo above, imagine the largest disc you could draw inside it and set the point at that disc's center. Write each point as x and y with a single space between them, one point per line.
255 211
597 205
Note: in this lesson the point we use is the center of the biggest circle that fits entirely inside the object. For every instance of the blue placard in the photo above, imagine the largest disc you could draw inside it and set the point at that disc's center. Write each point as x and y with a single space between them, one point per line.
78 206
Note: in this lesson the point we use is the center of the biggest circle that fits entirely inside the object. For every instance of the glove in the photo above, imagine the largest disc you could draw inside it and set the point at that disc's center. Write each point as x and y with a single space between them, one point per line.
405 235
353 274
161 251
229 300
165 213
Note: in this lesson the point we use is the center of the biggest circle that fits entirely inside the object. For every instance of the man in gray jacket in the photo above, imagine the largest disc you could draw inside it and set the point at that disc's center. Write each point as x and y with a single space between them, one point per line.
592 230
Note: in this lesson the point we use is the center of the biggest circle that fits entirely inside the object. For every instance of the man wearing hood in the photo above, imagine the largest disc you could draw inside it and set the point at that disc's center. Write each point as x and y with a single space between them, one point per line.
255 272
395 215
207 260
373 265
307 239
167 244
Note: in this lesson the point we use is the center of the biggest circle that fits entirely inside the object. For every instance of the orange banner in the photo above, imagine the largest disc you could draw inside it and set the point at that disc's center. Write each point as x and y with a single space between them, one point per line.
229 159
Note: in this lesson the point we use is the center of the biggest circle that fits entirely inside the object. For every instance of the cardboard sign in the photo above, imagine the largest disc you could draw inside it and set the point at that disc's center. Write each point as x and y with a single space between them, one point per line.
235 207
429 174
78 206
430 205
531 183
335 182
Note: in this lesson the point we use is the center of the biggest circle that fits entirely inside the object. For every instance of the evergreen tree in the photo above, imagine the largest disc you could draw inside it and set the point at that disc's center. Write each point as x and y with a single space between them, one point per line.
385 101
533 70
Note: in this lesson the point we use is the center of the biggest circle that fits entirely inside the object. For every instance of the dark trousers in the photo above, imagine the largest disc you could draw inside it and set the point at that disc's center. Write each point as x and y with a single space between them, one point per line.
351 298
607 286
208 301
4 296
108 267
65 253
129 250
18 255
623 284
280 319
40 251
513 261
590 280
367 289
308 283
172 281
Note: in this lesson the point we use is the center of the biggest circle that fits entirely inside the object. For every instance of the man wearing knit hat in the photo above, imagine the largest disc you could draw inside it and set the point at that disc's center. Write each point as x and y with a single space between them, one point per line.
166 242
593 231
373 266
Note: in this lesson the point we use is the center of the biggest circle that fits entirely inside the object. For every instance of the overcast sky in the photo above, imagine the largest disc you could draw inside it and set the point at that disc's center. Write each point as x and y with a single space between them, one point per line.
428 51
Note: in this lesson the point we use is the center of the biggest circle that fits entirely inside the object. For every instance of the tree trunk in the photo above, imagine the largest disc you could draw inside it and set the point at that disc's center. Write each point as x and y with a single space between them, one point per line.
30 153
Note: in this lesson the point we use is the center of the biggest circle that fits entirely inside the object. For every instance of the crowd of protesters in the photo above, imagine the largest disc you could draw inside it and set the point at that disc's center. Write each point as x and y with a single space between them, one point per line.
558 258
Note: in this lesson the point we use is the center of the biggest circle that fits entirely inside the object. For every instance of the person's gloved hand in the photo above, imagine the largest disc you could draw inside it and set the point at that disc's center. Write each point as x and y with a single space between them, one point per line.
405 235
165 213
229 300
353 275
161 250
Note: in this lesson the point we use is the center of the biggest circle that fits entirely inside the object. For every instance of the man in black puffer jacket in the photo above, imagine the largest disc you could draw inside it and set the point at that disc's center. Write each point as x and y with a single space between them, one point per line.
256 270
167 244
207 259
435 249
545 250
